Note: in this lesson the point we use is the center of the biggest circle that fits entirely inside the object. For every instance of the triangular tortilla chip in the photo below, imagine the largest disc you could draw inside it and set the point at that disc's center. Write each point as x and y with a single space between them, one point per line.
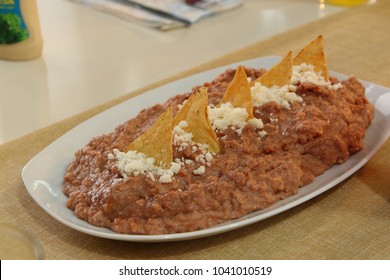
278 75
238 93
314 54
194 112
156 142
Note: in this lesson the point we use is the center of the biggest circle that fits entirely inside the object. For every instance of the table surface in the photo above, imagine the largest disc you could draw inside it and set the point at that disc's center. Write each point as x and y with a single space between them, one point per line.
90 57
350 221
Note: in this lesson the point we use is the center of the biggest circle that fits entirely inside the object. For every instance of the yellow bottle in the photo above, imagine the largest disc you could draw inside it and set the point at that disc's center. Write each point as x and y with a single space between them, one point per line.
20 32
346 2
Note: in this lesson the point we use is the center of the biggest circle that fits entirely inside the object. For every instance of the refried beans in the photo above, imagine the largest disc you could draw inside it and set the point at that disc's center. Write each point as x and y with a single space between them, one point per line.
250 173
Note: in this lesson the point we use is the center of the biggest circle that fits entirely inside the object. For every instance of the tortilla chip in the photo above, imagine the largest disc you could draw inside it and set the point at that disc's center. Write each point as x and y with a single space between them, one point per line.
314 54
156 142
238 93
278 75
194 112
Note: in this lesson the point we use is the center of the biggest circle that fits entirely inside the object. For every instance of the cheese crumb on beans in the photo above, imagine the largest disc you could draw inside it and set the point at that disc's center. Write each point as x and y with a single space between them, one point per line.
135 163
305 73
225 116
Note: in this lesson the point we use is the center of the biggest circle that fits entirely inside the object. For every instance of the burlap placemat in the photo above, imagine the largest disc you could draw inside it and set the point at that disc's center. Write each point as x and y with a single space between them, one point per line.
350 221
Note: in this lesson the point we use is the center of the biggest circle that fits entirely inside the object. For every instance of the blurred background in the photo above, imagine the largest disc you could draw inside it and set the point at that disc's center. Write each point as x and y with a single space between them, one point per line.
91 56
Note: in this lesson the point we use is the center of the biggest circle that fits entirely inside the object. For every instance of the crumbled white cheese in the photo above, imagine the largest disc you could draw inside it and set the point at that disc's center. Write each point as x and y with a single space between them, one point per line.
135 163
201 170
175 167
179 133
183 140
281 95
256 123
110 156
165 178
209 157
306 73
272 118
262 133
226 115
151 176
